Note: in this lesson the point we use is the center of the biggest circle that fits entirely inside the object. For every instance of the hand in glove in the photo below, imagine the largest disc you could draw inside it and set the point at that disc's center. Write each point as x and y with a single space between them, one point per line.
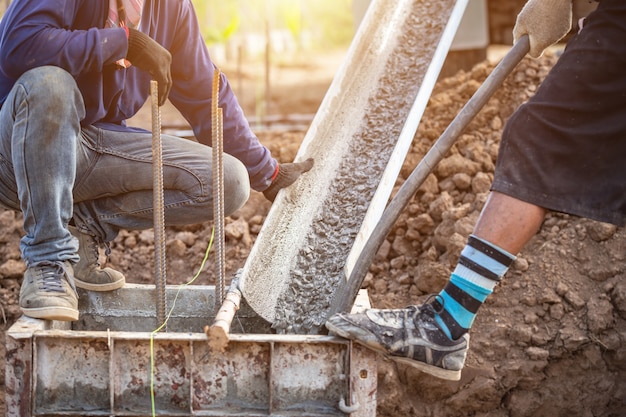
147 54
545 21
287 175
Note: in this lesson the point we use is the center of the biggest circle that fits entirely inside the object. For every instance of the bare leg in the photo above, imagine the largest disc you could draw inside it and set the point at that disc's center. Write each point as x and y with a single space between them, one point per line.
508 223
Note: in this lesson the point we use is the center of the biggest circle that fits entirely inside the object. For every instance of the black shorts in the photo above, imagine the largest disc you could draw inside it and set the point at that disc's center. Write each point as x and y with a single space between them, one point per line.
565 149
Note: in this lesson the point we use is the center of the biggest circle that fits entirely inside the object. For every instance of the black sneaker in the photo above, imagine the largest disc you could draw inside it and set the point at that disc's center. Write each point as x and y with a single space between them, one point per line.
409 336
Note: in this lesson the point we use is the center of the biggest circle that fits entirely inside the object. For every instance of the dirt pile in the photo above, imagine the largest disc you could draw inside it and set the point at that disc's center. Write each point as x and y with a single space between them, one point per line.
551 341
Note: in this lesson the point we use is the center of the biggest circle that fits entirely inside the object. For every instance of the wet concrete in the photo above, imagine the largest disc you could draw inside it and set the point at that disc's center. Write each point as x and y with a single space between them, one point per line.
298 260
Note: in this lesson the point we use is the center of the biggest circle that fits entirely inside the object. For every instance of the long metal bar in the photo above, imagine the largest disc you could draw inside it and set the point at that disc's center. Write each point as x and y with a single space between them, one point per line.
226 303
218 189
344 298
158 205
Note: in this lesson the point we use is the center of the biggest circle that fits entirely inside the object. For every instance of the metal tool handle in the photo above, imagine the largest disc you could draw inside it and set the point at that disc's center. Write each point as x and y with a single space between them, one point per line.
345 296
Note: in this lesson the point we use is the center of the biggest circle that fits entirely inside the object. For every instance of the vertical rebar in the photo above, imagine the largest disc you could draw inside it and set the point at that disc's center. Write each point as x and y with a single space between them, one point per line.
218 190
158 206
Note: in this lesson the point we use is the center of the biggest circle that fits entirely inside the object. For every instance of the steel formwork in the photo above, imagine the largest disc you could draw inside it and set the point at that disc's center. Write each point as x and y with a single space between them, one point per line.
58 369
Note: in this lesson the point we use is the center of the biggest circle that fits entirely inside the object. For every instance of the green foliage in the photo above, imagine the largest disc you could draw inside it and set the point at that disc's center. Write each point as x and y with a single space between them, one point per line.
219 20
214 34
292 17
331 21
326 23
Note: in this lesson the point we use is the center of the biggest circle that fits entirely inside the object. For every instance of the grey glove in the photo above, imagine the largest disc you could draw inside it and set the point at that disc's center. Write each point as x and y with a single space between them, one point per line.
545 22
287 175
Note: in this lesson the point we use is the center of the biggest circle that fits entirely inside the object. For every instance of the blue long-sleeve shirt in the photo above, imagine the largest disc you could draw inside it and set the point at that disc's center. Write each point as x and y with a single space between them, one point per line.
70 34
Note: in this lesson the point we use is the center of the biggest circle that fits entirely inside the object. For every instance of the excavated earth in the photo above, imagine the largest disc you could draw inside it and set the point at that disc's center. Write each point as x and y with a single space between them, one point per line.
551 340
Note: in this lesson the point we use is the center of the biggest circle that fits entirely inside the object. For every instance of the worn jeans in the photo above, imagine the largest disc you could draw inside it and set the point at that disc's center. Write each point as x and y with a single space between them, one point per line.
53 170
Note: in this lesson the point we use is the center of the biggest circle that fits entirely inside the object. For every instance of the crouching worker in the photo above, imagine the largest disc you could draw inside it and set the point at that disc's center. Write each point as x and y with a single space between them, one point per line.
71 73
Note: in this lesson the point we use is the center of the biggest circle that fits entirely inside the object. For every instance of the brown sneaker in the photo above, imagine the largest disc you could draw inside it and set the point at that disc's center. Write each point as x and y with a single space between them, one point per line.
409 336
88 274
48 292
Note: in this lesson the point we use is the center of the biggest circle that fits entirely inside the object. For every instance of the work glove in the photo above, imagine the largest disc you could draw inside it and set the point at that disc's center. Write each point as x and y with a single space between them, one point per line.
287 175
147 54
545 22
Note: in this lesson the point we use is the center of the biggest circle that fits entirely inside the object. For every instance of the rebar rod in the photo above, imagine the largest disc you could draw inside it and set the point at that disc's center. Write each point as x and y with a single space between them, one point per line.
218 190
158 206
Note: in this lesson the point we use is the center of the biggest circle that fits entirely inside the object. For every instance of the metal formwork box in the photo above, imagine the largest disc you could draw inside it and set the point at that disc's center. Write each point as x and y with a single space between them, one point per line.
105 370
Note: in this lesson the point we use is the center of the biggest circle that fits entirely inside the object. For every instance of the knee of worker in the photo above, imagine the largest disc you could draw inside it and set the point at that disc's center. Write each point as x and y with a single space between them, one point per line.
56 90
236 184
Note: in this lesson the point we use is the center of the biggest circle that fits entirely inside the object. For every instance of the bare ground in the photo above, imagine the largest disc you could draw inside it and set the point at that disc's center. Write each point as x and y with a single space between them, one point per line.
551 340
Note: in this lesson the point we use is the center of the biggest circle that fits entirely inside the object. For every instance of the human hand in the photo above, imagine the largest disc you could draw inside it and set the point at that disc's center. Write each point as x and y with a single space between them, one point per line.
147 54
545 22
287 175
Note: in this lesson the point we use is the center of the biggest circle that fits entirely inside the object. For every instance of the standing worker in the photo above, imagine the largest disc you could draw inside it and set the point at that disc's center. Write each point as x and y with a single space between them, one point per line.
71 73
564 150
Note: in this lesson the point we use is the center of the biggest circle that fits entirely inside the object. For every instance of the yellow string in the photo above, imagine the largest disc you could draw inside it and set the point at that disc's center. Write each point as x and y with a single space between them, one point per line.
206 256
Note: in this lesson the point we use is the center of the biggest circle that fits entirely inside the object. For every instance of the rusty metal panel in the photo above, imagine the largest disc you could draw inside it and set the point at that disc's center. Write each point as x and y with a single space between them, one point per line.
18 374
20 369
54 372
132 378
363 382
72 374
306 376
235 381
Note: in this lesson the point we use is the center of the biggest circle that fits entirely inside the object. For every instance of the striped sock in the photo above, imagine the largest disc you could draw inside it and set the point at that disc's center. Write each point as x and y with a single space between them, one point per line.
481 266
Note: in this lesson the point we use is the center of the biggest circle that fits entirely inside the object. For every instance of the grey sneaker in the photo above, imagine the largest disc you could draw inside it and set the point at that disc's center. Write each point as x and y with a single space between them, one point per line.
88 274
48 292
409 336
